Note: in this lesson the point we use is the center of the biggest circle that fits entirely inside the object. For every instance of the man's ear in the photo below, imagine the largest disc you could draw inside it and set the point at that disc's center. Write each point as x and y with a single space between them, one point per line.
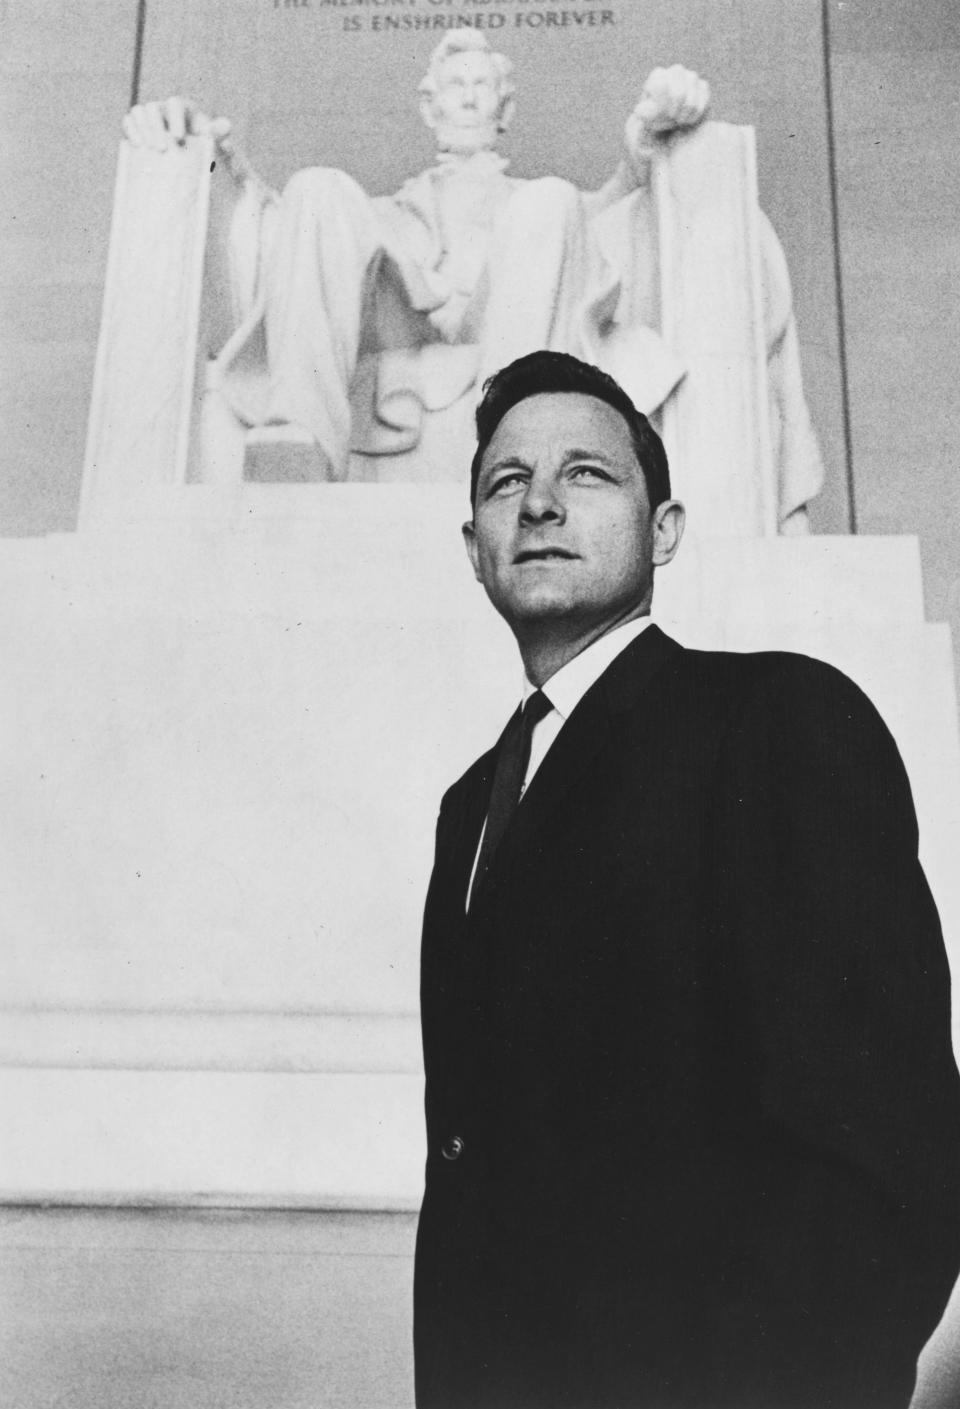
505 116
470 543
668 521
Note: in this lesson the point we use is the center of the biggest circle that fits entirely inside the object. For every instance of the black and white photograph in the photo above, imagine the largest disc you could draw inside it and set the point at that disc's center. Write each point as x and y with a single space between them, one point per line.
479 508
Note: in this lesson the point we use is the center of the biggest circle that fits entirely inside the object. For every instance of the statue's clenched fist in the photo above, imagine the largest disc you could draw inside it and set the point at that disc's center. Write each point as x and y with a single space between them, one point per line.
672 98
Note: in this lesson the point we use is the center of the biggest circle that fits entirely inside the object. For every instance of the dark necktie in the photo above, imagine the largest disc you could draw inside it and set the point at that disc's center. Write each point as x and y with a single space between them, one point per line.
512 761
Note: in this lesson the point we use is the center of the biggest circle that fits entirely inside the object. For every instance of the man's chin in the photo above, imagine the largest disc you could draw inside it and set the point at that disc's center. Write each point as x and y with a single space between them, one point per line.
544 606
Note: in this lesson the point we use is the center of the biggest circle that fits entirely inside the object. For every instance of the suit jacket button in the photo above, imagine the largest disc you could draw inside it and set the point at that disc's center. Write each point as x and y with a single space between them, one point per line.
452 1148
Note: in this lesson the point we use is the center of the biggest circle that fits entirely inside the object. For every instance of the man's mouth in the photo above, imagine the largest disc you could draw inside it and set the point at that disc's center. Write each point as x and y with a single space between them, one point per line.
543 555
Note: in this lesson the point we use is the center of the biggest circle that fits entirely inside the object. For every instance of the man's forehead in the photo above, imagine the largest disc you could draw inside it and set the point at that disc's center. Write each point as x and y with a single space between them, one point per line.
557 422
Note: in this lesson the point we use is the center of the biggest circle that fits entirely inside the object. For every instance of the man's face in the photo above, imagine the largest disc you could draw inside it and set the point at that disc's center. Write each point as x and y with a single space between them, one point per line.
562 536
464 110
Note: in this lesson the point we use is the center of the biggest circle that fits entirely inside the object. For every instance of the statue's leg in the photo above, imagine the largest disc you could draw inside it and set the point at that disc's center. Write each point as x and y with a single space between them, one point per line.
537 273
326 240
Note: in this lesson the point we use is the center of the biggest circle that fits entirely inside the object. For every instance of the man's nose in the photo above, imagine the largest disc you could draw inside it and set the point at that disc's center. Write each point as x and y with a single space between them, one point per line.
541 502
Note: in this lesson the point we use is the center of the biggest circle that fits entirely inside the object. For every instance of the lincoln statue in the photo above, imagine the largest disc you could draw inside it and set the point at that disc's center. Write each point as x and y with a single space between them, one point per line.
423 293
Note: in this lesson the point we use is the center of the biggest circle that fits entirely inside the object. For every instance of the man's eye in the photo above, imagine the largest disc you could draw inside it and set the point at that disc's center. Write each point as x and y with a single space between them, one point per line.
587 472
504 482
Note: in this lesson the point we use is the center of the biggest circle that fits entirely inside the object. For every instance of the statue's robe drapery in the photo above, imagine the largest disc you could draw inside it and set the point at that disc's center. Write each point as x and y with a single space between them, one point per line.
334 292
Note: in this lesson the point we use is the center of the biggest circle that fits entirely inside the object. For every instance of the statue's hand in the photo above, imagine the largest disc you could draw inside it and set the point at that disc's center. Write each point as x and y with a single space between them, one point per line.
160 126
672 98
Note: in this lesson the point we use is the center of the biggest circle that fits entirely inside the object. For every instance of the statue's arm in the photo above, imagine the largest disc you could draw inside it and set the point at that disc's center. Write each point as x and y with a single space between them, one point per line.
672 99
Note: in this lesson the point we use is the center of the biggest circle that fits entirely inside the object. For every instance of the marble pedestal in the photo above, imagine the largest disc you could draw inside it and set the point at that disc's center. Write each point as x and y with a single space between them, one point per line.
228 723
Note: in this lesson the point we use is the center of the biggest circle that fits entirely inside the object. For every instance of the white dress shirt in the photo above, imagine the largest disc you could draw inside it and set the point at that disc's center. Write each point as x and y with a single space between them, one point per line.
565 690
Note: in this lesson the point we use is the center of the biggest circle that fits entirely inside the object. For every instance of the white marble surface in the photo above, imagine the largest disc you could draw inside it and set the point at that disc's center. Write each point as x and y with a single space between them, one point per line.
143 396
226 734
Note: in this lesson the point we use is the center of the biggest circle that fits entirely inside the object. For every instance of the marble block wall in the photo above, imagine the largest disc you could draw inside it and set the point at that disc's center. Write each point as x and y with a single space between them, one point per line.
896 124
65 76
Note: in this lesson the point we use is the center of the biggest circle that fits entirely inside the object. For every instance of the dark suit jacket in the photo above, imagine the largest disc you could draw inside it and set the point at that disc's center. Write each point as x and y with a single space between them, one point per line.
694 1037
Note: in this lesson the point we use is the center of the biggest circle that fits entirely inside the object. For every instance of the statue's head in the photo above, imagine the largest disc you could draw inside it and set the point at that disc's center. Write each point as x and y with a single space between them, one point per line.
466 96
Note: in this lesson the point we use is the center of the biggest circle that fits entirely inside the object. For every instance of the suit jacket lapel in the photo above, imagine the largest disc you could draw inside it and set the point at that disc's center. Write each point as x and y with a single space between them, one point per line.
463 824
586 732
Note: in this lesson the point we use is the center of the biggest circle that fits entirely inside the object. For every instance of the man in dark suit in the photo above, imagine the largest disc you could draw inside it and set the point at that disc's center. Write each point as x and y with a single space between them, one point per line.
693 1116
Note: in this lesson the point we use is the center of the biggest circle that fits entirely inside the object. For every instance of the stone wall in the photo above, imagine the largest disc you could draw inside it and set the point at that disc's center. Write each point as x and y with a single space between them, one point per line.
65 76
897 134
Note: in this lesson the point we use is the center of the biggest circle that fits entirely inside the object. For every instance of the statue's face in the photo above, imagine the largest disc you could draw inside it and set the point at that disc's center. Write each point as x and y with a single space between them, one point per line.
465 108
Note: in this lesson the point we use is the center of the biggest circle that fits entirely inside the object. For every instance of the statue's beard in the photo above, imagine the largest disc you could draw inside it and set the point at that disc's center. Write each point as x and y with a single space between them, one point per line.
466 138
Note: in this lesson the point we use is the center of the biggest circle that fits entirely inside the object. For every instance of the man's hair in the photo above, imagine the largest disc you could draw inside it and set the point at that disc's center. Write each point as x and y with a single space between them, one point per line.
466 41
553 372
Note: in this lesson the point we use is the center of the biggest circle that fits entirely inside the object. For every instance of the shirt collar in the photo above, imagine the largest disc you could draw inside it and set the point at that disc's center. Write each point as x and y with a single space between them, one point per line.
567 687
